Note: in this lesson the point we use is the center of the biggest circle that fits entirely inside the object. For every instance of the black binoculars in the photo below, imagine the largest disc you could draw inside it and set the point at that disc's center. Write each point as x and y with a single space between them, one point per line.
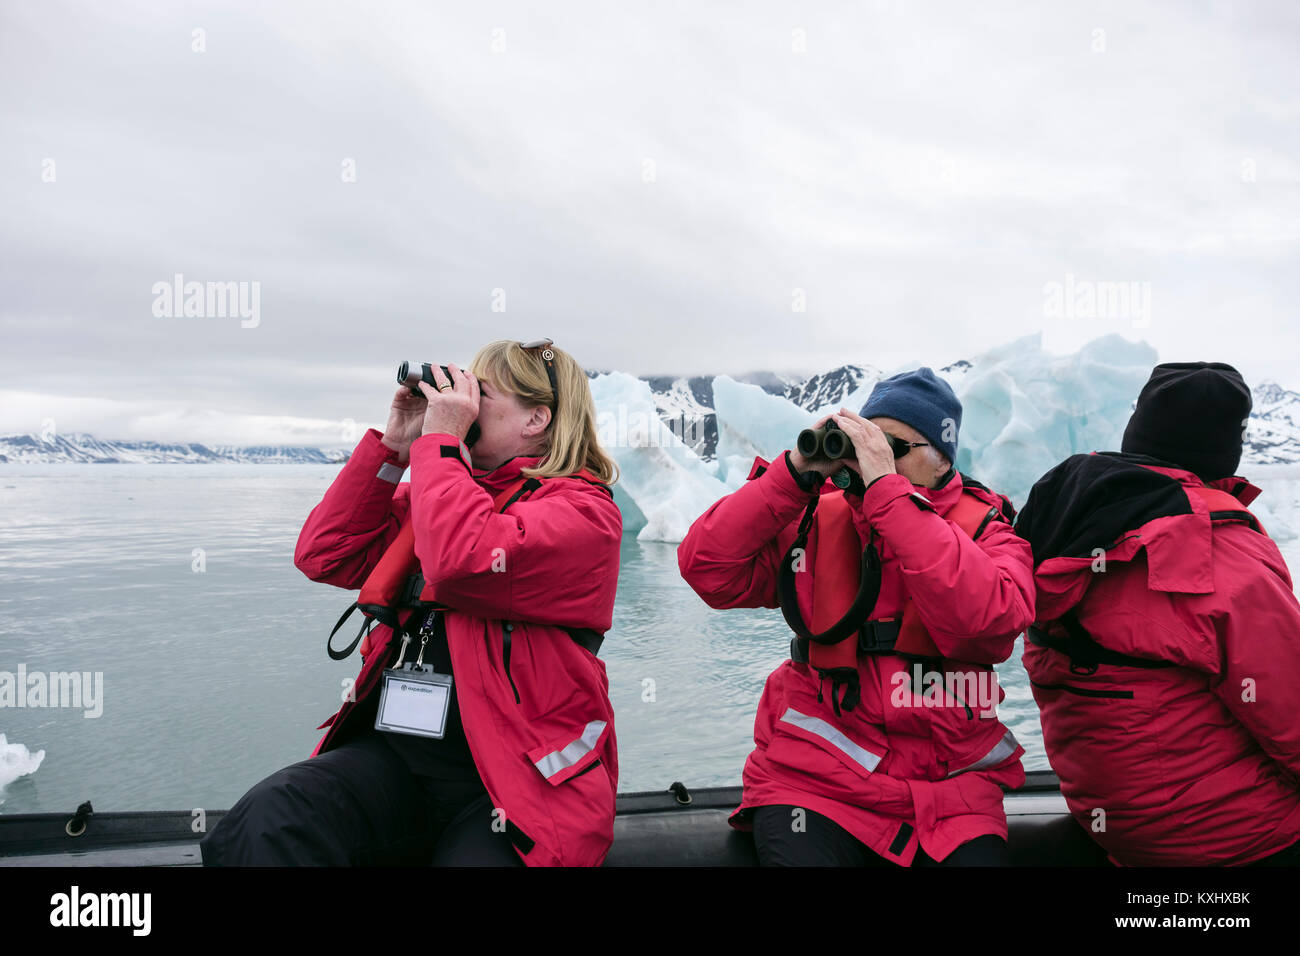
828 442
411 374
831 443
408 376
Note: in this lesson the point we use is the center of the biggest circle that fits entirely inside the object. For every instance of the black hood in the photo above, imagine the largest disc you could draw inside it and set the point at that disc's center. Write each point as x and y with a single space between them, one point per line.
1092 501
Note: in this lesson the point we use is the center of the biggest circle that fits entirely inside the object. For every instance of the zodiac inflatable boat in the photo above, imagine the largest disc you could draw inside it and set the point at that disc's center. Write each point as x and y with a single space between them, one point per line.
673 827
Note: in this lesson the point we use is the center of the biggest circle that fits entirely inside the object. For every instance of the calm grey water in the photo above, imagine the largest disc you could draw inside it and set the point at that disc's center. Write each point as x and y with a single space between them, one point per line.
215 679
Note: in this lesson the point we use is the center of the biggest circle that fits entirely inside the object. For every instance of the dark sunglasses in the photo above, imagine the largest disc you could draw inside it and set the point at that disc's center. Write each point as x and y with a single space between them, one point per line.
548 356
901 447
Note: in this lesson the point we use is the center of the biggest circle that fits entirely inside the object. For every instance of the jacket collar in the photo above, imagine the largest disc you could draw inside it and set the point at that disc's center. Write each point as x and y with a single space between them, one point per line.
498 478
945 496
1238 487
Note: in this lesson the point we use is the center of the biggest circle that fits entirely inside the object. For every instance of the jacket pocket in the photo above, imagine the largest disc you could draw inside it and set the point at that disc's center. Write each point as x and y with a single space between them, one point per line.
861 749
507 630
571 755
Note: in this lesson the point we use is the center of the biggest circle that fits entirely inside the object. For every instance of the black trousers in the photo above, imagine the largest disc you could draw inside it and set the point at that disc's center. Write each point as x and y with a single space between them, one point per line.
823 842
359 804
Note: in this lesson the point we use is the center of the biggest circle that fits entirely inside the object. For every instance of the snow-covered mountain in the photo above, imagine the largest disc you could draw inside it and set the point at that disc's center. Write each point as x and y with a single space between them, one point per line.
687 406
80 447
831 389
1273 435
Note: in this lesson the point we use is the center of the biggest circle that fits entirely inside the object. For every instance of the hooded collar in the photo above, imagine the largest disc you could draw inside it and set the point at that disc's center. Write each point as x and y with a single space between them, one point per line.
1108 506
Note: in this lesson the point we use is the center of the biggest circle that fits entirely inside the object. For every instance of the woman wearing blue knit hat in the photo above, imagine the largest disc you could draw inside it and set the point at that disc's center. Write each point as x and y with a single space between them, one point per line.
878 742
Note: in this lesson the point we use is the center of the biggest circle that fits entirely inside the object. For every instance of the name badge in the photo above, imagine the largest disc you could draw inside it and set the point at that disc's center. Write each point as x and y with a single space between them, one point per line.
414 699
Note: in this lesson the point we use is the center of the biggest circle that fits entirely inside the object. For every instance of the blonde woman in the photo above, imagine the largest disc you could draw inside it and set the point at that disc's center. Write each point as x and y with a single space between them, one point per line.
511 757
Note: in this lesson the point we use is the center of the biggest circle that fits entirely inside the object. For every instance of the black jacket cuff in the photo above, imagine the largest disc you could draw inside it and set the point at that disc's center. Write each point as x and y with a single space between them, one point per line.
802 480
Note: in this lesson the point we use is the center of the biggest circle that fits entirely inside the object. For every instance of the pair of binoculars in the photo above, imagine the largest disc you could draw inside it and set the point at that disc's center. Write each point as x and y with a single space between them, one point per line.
829 442
411 374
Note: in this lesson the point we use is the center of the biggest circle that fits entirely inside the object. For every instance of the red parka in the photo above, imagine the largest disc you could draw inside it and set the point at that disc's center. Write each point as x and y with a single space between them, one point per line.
1193 764
538 719
896 770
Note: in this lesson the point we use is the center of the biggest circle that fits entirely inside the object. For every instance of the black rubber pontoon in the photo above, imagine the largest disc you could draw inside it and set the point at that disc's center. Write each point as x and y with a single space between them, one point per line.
675 827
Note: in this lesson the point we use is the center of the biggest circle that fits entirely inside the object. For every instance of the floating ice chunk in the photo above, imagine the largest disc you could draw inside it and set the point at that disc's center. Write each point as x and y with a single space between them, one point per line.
752 422
668 483
1025 410
1278 506
17 761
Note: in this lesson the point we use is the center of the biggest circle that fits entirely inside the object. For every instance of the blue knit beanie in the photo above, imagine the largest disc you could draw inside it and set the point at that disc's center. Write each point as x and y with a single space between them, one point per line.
924 401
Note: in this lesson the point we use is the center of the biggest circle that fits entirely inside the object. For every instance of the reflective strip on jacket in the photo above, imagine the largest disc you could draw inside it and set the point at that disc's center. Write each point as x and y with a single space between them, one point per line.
905 767
548 755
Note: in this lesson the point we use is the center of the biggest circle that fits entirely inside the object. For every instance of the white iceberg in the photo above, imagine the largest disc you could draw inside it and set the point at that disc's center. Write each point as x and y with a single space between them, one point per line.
752 422
17 761
663 486
1024 410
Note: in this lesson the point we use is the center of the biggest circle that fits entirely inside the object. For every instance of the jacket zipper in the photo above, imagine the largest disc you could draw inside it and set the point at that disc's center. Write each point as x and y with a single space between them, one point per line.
970 714
1085 691
506 628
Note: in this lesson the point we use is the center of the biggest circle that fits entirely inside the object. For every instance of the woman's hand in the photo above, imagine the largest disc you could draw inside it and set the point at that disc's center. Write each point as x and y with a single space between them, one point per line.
405 419
875 456
452 410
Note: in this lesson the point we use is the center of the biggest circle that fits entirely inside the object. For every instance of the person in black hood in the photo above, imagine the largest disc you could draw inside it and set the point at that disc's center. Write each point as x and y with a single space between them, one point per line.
1166 651
1192 414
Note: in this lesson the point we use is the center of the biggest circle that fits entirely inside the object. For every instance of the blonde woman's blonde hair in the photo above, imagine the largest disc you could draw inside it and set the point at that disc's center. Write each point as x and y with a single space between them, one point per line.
570 439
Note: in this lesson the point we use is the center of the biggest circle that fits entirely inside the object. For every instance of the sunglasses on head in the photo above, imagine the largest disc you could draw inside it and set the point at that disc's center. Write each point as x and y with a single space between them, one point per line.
901 447
548 356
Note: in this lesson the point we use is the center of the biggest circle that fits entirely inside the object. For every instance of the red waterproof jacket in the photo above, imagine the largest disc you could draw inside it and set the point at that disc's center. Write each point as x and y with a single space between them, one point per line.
1193 764
896 771
535 707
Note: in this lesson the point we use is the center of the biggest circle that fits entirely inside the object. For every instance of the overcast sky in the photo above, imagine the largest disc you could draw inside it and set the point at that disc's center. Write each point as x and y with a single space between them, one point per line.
660 188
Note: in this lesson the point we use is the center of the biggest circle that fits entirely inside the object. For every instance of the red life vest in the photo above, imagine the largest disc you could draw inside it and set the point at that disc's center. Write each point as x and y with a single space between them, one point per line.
847 582
395 588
